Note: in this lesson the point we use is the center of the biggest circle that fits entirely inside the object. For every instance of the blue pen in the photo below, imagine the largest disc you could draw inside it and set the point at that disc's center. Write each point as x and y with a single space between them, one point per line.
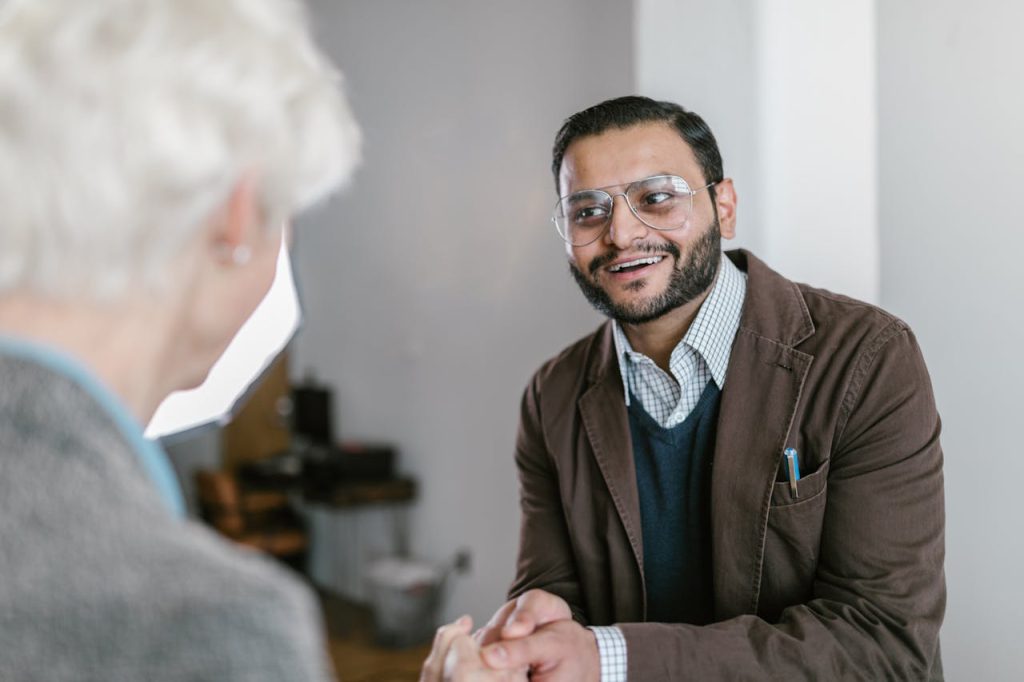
793 466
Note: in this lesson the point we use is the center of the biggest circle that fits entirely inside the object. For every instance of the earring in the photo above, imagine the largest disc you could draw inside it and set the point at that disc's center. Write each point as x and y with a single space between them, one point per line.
238 256
241 254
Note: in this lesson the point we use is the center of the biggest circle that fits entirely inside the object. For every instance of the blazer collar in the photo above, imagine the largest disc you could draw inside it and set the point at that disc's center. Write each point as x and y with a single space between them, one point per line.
774 307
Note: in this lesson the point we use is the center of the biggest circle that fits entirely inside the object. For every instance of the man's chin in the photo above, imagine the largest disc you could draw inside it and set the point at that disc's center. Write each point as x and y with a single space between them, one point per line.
632 306
632 303
636 285
638 313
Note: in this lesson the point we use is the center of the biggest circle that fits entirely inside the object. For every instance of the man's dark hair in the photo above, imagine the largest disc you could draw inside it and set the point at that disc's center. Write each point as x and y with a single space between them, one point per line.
626 112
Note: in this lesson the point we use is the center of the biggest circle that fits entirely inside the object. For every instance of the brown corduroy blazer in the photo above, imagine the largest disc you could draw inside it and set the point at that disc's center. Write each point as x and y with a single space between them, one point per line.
843 582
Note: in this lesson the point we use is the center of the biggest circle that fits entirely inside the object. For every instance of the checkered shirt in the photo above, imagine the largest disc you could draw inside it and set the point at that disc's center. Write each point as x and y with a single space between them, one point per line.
611 646
701 356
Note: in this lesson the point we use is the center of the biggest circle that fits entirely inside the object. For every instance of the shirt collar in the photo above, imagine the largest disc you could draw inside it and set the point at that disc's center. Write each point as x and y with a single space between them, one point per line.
711 334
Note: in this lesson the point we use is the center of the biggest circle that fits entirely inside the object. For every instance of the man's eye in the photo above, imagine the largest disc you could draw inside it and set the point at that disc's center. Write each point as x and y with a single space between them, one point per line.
590 214
657 197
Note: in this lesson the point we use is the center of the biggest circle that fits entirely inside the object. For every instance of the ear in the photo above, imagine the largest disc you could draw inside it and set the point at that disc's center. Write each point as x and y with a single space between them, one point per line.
725 201
236 223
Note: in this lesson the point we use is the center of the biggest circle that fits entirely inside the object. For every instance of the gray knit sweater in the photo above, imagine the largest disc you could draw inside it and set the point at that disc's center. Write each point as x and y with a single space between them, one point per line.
99 581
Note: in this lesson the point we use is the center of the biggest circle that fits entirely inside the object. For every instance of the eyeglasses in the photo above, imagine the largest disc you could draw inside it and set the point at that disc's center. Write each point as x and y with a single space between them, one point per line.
661 202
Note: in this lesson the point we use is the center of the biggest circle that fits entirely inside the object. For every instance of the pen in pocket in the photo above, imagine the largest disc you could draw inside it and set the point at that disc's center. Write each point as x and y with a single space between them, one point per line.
793 468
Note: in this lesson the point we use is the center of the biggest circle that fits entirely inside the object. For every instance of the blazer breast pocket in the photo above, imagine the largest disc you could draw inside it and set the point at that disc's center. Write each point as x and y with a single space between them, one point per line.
792 542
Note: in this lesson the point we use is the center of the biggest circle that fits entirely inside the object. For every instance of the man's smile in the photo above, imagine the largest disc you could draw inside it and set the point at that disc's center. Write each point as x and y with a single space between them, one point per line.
641 258
631 269
633 264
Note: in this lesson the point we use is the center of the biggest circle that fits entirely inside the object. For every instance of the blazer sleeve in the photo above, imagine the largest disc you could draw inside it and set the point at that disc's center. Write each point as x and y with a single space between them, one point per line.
545 547
879 591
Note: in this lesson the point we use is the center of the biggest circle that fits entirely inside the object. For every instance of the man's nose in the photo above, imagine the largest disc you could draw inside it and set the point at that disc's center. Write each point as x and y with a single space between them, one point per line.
625 227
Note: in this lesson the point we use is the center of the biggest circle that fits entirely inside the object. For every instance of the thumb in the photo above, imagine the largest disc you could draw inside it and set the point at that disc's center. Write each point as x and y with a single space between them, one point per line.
520 624
462 658
446 634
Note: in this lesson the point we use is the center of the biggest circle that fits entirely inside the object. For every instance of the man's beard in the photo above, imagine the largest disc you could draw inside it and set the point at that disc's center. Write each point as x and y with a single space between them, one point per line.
688 280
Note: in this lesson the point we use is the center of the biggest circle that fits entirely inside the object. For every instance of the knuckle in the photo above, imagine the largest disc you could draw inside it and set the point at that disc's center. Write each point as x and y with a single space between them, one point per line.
534 596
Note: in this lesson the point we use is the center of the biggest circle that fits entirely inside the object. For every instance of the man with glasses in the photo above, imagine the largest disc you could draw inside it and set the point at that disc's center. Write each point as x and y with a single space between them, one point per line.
735 477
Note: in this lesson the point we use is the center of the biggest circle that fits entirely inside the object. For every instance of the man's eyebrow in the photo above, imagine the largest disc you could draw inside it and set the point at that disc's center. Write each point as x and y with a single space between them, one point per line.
625 184
577 193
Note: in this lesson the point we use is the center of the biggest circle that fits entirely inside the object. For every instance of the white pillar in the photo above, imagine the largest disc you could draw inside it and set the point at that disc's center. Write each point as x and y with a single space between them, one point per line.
789 87
817 133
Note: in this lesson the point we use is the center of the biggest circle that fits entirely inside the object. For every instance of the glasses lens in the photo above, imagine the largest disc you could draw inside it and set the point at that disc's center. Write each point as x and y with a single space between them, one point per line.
663 202
582 217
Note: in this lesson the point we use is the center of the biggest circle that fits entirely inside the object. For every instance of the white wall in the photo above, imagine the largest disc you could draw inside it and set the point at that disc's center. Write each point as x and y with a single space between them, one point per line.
817 136
952 169
436 285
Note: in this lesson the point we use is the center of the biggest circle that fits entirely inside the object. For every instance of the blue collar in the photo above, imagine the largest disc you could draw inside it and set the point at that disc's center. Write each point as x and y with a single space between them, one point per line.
152 457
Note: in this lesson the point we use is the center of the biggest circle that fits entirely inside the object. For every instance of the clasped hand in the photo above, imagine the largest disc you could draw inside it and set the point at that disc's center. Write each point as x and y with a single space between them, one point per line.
531 637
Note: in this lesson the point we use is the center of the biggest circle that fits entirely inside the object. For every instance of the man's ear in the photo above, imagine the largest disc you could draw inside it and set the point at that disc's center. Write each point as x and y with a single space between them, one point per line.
725 201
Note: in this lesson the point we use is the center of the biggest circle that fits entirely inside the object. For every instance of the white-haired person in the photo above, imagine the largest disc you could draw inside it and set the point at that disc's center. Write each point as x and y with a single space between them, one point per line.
151 154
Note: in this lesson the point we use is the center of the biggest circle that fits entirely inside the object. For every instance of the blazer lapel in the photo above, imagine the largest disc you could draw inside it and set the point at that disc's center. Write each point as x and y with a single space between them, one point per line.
603 412
759 401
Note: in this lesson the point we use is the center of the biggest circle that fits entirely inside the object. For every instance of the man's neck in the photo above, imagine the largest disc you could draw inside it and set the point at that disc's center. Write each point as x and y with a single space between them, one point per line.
658 338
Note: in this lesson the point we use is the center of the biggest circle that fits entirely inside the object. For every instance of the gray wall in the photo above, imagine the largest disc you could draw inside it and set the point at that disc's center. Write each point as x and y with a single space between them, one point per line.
436 285
952 229
703 55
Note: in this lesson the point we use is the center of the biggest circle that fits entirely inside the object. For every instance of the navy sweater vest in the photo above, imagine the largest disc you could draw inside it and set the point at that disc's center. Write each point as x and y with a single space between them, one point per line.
673 476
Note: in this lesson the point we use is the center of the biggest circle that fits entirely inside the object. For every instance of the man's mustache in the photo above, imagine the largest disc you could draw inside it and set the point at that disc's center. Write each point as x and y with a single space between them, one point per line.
611 256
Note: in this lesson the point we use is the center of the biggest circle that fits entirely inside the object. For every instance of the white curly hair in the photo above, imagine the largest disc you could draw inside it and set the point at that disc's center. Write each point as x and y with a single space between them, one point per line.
125 123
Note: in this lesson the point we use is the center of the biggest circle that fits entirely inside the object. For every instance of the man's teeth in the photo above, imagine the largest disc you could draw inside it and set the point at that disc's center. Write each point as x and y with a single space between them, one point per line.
636 263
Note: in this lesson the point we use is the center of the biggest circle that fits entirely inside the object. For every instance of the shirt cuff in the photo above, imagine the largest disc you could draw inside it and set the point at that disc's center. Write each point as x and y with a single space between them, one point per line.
611 647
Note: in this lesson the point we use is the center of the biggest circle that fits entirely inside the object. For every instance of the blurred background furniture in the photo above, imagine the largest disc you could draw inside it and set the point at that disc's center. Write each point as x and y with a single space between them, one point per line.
261 519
